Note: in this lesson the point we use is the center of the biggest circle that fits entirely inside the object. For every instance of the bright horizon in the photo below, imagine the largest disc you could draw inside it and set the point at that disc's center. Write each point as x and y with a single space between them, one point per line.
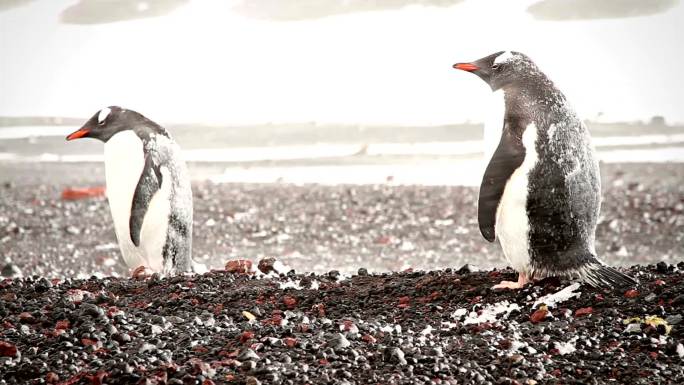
204 63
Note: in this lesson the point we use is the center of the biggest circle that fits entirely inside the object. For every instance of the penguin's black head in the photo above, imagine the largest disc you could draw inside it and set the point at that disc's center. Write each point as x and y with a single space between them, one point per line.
499 69
105 123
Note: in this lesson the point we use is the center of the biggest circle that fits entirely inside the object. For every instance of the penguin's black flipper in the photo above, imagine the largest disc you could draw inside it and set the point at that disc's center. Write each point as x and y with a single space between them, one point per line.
508 156
149 183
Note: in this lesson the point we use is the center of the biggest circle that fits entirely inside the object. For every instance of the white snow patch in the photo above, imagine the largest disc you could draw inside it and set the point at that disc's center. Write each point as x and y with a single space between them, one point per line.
344 276
280 268
296 284
290 284
565 347
563 295
106 246
391 328
428 330
504 57
490 313
77 295
459 313
680 350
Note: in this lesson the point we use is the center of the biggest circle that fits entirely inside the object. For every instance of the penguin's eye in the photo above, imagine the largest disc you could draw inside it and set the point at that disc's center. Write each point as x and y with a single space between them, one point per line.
496 67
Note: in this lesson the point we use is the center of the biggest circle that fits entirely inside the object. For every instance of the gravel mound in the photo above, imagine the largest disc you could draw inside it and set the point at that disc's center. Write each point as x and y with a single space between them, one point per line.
245 327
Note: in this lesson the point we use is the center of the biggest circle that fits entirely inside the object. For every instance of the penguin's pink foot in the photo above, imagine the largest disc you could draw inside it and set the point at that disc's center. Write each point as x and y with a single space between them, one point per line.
140 272
522 281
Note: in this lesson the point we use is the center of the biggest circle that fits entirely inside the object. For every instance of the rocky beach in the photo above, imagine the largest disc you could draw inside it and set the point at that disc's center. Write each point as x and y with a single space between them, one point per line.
330 310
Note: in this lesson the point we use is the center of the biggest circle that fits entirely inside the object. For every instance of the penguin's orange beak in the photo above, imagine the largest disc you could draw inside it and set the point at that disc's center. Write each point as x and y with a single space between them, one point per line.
81 132
470 67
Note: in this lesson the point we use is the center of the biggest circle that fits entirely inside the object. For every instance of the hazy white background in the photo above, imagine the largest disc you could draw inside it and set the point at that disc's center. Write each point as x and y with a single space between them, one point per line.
207 62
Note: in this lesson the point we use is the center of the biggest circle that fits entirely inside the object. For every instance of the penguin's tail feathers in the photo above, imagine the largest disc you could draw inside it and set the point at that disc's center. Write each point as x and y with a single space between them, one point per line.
600 275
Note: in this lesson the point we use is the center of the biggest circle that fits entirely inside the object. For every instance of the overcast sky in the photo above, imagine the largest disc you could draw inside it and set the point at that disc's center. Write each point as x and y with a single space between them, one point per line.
208 61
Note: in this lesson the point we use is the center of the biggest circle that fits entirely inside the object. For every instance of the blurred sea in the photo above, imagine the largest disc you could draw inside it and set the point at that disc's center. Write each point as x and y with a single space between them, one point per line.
414 161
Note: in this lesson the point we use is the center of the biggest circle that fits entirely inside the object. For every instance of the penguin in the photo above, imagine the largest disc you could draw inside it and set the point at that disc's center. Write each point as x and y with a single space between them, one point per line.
148 189
540 195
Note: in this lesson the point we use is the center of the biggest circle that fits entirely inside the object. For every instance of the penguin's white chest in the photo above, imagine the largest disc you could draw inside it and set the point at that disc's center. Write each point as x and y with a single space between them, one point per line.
512 223
124 163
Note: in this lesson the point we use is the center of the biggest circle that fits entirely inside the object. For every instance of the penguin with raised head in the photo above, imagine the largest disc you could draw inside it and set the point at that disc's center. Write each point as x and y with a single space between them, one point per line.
541 191
148 189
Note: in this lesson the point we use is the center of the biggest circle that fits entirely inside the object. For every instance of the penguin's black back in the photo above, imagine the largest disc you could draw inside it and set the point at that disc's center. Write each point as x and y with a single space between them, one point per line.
564 190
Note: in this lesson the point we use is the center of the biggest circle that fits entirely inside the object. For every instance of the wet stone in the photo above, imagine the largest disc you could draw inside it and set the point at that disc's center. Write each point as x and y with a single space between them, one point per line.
248 354
339 341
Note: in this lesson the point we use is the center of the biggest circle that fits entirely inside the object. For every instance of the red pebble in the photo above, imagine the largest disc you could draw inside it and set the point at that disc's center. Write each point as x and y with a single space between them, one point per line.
290 302
320 308
88 342
112 311
368 338
246 336
208 382
323 361
584 311
7 349
26 317
539 315
659 282
631 293
654 355
98 378
239 266
383 240
289 341
51 377
74 379
404 302
304 328
71 194
62 325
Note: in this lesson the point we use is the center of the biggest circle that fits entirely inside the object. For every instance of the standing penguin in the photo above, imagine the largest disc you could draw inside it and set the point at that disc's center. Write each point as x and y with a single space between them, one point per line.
541 191
148 189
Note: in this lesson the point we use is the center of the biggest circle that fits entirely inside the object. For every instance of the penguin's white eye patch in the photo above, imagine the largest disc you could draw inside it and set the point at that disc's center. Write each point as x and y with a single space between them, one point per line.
104 113
504 57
